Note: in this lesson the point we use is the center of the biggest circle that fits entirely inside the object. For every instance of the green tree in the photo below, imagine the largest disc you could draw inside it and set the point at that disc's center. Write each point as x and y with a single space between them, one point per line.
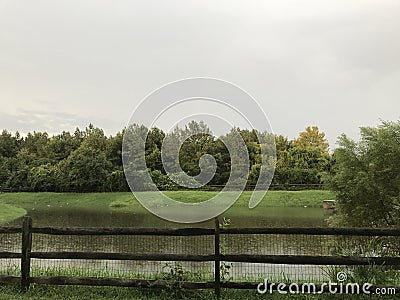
4 171
86 169
94 137
282 144
114 149
253 145
366 177
116 181
153 144
304 160
134 157
9 144
36 146
61 146
221 154
43 178
19 167
197 140
282 168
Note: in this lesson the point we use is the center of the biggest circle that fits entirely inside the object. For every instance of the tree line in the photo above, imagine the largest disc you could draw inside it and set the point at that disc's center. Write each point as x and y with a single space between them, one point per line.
365 174
88 160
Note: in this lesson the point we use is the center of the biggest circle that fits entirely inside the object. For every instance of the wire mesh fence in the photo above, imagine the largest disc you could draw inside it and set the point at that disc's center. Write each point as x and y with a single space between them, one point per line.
10 242
310 245
137 244
275 244
230 244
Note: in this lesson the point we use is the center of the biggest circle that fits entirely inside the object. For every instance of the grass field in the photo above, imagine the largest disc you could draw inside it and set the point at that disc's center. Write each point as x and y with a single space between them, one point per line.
14 205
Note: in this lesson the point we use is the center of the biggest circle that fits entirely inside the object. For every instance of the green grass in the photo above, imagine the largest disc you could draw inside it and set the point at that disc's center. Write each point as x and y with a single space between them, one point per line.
46 292
121 203
310 198
9 212
92 201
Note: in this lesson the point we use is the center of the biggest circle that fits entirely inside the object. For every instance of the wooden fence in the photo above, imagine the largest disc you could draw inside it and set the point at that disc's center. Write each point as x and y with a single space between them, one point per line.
27 230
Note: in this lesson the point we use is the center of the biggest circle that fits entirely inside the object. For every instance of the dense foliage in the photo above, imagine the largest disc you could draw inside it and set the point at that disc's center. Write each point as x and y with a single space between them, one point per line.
366 177
88 160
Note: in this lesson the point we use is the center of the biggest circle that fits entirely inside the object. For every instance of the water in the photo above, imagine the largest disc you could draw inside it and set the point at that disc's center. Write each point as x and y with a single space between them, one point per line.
240 217
230 244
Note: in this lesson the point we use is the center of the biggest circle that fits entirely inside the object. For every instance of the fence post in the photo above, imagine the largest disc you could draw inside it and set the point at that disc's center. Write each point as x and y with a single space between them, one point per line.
26 253
217 266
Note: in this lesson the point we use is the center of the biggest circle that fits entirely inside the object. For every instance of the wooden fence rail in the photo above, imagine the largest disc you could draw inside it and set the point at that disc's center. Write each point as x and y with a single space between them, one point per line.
26 254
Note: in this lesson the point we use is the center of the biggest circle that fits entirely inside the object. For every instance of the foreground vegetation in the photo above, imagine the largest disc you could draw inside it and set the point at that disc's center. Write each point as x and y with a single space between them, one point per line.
38 292
14 205
366 177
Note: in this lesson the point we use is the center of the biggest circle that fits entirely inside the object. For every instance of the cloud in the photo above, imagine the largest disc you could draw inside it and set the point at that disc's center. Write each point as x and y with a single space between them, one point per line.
334 64
52 122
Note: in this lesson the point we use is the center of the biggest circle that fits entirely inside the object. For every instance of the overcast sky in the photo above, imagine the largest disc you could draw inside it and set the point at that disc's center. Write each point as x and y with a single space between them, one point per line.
334 64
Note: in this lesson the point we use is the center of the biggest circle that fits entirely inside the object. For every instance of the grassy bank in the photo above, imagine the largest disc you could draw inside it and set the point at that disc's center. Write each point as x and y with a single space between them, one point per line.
9 212
13 205
311 198
36 292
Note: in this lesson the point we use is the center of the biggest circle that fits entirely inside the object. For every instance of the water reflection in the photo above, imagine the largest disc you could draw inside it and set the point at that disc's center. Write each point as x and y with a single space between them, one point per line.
232 244
265 217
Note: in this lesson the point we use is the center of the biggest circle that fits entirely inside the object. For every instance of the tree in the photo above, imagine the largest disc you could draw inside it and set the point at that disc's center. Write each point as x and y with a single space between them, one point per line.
114 148
36 145
282 144
153 144
61 146
86 169
94 137
312 138
9 145
116 182
366 177
304 160
27 162
43 178
4 171
253 146
197 140
222 158
133 156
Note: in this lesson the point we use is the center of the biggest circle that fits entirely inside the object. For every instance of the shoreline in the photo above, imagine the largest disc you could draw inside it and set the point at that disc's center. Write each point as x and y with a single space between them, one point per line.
15 205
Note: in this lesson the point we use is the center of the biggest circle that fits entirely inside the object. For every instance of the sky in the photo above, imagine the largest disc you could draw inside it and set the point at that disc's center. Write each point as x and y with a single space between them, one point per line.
333 64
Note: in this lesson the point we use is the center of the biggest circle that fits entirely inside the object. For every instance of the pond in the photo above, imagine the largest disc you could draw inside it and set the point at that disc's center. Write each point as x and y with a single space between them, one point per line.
233 244
240 217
